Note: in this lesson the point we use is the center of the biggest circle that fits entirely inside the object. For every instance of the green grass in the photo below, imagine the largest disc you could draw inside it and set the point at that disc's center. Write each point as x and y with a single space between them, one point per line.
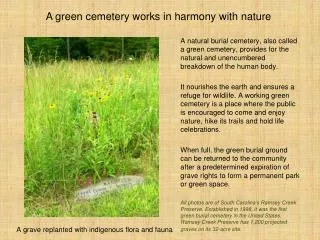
65 149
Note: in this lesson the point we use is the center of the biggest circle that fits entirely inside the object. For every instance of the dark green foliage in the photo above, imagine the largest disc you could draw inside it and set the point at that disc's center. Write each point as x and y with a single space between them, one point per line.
44 49
48 49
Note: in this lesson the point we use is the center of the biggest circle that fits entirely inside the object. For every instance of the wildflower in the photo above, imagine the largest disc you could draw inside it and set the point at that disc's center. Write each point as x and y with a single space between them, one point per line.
52 106
103 99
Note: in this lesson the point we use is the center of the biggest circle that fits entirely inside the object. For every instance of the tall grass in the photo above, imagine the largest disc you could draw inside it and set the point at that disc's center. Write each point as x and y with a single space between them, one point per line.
65 146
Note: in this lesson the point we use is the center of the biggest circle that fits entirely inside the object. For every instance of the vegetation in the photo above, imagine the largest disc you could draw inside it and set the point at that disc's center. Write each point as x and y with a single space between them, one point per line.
66 147
45 49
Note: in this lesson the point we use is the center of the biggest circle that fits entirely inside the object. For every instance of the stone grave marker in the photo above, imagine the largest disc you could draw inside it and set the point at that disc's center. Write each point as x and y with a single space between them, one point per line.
108 185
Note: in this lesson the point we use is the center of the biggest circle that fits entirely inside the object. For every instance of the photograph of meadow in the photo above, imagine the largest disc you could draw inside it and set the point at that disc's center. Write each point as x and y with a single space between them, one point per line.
91 112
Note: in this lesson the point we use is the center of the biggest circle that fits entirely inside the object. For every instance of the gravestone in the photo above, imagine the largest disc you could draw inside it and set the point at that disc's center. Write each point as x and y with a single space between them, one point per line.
108 185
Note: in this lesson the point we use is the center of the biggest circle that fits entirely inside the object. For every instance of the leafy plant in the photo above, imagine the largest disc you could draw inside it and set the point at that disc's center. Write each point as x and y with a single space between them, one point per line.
88 119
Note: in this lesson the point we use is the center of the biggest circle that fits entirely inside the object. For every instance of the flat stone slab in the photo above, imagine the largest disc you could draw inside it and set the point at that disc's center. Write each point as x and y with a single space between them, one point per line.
108 185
